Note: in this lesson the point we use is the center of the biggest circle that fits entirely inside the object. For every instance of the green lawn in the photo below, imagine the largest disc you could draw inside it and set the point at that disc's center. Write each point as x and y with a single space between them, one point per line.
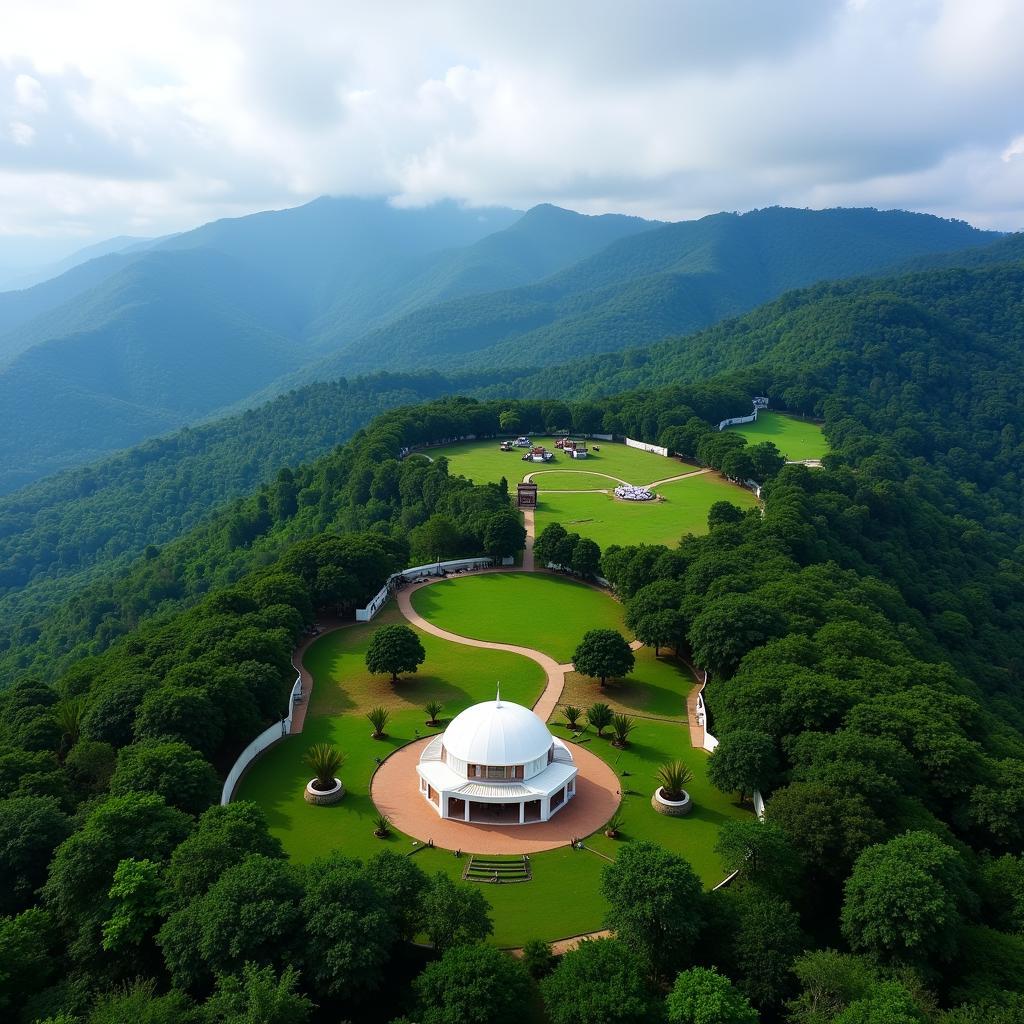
607 521
656 688
796 439
543 612
563 898
483 462
342 693
572 480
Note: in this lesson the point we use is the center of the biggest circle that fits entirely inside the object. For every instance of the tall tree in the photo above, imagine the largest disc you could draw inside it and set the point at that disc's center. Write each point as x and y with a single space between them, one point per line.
655 904
603 653
394 649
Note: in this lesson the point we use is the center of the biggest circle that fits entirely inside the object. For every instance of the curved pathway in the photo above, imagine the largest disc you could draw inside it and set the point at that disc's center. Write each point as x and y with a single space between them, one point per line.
299 664
589 472
545 704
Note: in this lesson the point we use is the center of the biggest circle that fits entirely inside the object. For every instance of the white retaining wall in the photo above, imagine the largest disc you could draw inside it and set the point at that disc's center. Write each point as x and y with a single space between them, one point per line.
732 421
710 743
655 449
381 597
266 739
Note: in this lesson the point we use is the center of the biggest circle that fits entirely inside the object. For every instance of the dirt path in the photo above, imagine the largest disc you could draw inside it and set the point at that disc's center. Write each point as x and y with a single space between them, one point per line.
546 702
299 664
589 472
682 476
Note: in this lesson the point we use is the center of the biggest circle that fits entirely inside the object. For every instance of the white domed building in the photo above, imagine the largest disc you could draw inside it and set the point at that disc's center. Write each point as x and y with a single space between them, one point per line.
497 764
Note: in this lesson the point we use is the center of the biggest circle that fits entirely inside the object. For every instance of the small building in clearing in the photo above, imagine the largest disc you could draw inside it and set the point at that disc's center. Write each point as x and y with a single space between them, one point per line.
496 763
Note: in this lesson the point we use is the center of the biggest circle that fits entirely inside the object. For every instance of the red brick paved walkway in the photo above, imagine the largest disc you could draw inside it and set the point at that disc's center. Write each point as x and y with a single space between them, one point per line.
395 792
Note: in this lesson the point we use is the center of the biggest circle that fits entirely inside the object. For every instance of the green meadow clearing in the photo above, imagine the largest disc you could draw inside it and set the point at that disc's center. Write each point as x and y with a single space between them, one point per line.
796 439
543 612
607 521
563 898
483 462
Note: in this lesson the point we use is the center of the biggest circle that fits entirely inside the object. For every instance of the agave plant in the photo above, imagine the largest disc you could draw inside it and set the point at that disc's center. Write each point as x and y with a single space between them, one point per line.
381 826
600 717
673 777
572 716
622 726
613 826
326 762
378 717
433 709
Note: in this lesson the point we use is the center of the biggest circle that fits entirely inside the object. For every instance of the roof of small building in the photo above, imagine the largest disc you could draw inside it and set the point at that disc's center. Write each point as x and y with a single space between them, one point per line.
497 732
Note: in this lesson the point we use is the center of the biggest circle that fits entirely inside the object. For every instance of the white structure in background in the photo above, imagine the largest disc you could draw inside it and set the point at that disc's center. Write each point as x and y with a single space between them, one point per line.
497 764
627 492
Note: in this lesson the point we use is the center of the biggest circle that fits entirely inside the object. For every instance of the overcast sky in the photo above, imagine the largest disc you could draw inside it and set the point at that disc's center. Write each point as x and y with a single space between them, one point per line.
143 117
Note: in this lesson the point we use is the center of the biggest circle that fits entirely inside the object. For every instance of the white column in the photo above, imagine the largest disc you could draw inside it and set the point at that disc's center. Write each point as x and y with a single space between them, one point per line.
465 810
545 809
522 812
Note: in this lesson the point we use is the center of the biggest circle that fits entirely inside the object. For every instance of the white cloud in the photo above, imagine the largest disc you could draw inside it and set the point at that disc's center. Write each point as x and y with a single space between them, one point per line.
136 115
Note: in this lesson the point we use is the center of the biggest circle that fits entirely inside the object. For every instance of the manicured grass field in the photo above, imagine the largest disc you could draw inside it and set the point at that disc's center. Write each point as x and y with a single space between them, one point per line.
563 898
572 480
607 521
482 462
796 439
343 692
543 612
656 688
651 744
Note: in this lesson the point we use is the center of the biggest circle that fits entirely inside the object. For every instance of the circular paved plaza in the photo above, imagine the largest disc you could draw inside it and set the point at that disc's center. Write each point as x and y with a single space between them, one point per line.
395 791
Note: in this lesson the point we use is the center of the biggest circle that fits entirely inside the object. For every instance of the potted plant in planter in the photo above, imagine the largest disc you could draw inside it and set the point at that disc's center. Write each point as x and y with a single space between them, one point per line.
382 826
378 717
622 726
325 788
433 709
671 797
572 717
613 826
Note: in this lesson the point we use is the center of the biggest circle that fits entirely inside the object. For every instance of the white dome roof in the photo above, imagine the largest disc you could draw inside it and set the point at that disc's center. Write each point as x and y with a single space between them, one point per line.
497 732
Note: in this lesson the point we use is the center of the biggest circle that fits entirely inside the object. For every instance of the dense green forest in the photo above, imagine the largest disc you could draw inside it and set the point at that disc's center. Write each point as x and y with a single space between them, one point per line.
676 279
134 344
67 531
863 642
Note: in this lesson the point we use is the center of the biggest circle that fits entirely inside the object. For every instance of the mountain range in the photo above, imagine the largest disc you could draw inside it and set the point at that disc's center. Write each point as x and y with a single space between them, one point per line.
139 342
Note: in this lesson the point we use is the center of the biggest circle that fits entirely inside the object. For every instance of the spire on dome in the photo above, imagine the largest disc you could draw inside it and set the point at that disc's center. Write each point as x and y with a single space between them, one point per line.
497 698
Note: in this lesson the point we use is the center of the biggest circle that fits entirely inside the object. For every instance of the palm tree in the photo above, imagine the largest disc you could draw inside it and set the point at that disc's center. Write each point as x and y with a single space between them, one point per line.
673 777
378 717
381 826
600 717
622 726
572 716
326 761
433 709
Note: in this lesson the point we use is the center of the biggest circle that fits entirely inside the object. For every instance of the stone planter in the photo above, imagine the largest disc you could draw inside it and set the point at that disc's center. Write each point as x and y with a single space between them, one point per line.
673 808
324 797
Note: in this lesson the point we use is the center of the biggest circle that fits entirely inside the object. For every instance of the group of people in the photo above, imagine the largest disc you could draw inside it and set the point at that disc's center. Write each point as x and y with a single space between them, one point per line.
630 493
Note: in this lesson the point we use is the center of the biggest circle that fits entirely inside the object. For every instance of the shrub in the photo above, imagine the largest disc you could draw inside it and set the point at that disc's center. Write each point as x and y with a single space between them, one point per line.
599 716
622 726
378 717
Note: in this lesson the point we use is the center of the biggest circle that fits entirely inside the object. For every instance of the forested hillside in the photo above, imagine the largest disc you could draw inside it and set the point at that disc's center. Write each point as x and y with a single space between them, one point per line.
862 637
674 280
61 533
138 343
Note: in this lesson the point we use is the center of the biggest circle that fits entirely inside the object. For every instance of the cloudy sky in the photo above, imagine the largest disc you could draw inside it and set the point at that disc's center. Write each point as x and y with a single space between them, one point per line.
143 117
